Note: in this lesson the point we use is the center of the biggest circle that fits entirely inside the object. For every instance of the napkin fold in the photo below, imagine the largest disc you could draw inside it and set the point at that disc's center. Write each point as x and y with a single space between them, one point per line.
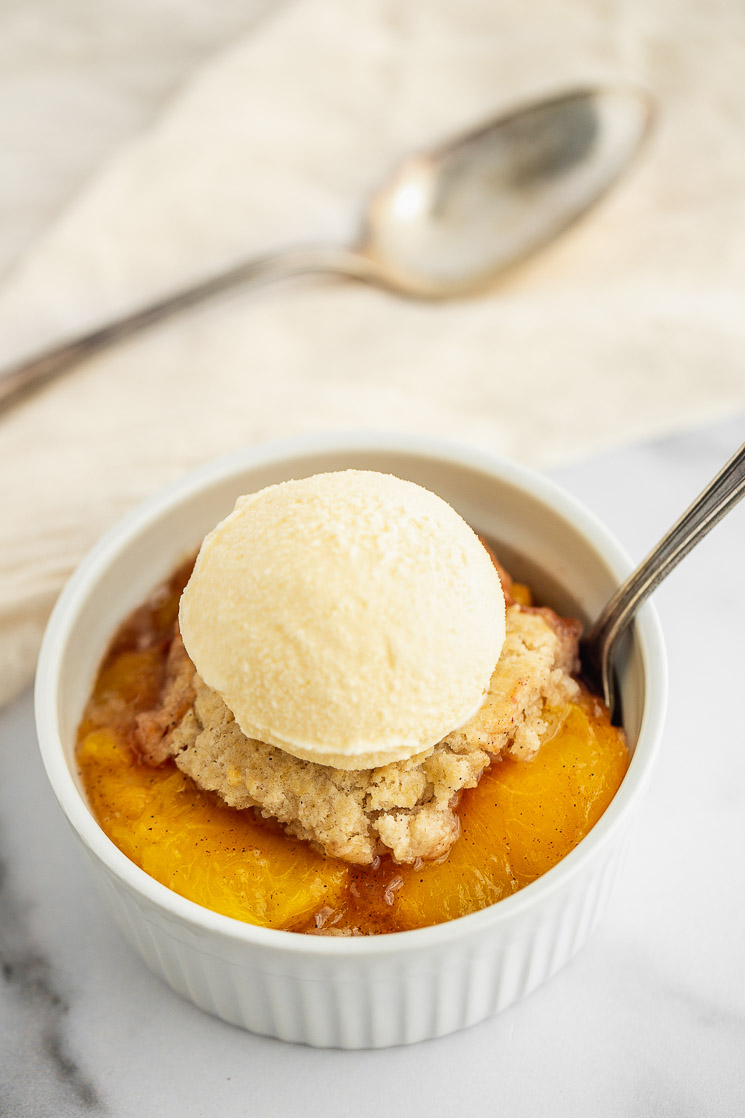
630 326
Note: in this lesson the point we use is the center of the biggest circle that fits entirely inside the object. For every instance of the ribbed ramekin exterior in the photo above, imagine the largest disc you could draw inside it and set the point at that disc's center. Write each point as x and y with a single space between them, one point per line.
362 1002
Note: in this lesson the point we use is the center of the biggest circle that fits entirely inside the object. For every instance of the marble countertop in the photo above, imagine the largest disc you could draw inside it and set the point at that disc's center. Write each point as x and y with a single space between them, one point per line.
649 1020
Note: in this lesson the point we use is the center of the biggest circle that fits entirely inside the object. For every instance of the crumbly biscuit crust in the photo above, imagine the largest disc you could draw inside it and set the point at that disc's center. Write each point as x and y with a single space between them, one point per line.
405 809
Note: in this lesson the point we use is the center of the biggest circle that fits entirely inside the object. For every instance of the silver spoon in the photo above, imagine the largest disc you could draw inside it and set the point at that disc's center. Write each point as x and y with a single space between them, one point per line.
446 224
719 496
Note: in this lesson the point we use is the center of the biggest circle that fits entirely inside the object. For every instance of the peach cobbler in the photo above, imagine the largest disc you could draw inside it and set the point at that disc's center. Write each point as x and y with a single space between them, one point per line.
345 718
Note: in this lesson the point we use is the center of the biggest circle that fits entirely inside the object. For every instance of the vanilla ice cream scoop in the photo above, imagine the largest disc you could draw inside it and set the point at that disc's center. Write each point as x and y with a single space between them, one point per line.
351 618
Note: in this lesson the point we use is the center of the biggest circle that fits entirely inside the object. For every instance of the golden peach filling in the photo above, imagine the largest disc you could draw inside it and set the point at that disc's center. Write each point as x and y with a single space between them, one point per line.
518 822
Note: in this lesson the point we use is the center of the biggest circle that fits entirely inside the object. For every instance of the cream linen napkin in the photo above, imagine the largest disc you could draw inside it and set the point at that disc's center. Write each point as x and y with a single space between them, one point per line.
631 326
78 78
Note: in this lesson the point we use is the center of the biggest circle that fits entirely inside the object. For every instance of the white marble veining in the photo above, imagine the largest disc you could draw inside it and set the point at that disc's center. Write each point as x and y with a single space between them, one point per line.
648 1021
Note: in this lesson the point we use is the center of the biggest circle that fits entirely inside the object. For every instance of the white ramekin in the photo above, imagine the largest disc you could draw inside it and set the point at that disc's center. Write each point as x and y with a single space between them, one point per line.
354 992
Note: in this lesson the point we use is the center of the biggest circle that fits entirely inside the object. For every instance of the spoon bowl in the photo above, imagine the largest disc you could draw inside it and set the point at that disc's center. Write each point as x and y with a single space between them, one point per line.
448 223
452 220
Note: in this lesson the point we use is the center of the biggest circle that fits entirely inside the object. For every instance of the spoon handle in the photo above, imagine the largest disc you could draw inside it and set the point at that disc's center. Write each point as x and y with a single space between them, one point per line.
716 500
20 379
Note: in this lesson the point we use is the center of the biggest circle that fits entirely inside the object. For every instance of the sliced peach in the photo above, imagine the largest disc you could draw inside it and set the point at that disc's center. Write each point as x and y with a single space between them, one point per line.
133 678
223 859
552 802
521 819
